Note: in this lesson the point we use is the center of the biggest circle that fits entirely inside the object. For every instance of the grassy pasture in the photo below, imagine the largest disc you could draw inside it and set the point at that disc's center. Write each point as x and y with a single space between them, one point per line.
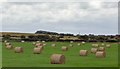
0 55
28 59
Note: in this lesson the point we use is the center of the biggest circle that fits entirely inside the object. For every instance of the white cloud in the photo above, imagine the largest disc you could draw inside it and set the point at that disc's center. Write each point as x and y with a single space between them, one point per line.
60 0
43 15
3 0
95 4
48 12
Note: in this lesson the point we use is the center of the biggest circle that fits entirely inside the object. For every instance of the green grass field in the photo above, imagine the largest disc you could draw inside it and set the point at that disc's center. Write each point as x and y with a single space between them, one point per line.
28 59
0 55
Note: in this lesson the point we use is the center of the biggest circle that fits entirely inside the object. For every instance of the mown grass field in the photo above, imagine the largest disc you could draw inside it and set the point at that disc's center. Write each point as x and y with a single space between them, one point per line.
0 55
28 59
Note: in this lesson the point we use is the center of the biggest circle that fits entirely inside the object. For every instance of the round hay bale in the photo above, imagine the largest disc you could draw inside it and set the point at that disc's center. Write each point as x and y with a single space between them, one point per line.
5 41
44 44
101 48
53 45
103 44
38 50
78 44
18 50
94 50
83 52
38 44
57 59
95 45
64 48
23 41
100 54
9 46
41 44
43 41
37 41
83 42
71 41
71 45
34 43
42 47
108 45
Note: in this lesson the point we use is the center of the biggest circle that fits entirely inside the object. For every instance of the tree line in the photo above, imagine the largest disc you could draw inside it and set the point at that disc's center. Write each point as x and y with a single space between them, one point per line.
47 37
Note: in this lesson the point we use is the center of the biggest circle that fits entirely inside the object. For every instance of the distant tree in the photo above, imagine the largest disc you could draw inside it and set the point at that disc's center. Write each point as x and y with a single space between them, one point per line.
46 32
6 36
43 37
32 37
22 36
85 37
54 38
78 36
61 36
91 37
102 38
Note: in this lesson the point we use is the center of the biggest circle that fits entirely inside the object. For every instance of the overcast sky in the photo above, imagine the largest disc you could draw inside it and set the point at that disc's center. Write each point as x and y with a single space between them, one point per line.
90 17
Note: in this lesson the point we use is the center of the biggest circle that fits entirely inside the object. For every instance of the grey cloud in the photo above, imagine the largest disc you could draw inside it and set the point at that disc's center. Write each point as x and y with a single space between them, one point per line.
110 4
30 17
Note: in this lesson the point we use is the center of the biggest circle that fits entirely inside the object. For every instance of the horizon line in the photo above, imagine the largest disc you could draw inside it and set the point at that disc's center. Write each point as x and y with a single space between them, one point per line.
55 32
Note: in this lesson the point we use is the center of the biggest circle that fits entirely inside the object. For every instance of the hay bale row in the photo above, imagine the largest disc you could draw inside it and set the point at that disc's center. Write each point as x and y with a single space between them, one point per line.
60 58
57 59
